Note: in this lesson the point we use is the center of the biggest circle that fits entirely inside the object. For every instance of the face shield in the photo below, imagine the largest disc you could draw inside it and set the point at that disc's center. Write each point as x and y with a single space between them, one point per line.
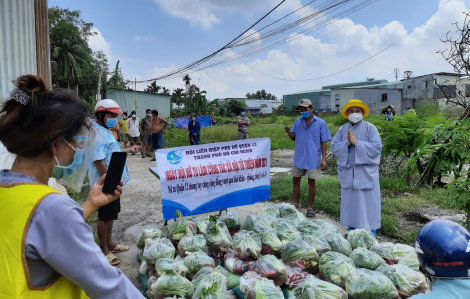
85 140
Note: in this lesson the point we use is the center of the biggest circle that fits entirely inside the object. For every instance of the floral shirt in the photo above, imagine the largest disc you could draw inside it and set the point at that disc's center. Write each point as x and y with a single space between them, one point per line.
105 145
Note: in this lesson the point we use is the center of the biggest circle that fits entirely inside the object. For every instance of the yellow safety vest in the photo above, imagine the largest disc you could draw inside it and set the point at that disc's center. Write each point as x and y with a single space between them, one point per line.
18 203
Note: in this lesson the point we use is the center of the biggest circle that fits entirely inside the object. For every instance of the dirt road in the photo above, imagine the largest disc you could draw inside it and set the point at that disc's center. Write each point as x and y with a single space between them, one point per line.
141 206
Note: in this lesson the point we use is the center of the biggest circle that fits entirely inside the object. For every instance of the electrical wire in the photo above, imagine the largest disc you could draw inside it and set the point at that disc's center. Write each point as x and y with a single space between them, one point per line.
363 61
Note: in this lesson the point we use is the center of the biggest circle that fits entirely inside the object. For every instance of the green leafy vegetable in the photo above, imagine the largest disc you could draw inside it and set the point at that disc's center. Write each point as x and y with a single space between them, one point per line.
337 242
313 288
218 239
269 209
308 227
201 223
320 244
247 244
232 220
286 231
361 238
270 243
390 251
171 283
148 233
194 261
299 254
364 258
271 267
157 249
264 289
176 265
367 284
335 266
212 284
408 281
290 213
191 244
179 228
206 271
410 260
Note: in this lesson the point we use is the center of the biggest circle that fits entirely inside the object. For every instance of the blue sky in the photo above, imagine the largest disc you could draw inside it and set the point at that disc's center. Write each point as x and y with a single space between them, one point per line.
150 37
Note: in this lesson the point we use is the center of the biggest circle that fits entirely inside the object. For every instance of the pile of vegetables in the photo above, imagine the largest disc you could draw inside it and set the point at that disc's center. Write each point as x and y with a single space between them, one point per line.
277 254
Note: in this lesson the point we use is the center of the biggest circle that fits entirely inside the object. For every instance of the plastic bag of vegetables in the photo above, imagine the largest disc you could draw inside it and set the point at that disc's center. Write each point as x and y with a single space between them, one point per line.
320 244
290 213
368 284
308 227
299 254
271 267
176 265
232 220
218 240
152 280
212 285
361 238
364 258
191 244
337 242
195 261
407 281
157 249
247 280
391 252
201 223
171 284
294 277
314 288
247 244
143 268
270 243
264 289
249 222
335 266
206 271
410 260
324 224
285 231
151 233
269 209
180 228
234 263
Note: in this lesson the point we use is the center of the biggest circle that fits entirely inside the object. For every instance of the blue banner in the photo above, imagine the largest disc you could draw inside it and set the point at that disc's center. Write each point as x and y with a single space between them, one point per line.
182 122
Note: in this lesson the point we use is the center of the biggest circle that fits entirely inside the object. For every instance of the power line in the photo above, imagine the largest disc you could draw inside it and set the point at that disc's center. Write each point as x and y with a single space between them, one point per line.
363 61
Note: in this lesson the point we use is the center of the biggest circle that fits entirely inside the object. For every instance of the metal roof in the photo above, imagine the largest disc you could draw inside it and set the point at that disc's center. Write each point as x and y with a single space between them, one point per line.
439 74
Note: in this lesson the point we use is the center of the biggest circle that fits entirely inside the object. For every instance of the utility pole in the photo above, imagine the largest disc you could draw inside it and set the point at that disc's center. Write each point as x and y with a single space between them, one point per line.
396 71
135 94
98 92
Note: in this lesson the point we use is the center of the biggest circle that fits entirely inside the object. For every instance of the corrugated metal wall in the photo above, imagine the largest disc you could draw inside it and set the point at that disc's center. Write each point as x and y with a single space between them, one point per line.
128 100
17 42
293 99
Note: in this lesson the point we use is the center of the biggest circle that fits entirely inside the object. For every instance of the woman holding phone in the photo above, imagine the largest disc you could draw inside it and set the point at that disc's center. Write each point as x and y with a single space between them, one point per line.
48 251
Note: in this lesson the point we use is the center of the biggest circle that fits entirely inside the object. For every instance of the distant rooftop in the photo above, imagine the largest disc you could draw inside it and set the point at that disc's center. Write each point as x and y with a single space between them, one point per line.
439 74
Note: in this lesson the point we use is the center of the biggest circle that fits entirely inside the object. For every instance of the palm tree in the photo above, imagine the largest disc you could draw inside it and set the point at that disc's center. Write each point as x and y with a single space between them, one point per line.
187 82
152 88
69 54
165 91
177 97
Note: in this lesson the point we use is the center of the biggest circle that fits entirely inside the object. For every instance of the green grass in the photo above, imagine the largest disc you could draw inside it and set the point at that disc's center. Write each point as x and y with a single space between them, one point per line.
394 202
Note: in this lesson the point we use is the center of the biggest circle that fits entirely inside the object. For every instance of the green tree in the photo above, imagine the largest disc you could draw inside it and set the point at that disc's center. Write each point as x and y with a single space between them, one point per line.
69 54
261 95
153 88
165 91
177 97
234 106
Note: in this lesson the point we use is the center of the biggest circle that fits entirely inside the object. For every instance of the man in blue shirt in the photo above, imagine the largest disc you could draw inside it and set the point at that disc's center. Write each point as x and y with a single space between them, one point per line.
310 134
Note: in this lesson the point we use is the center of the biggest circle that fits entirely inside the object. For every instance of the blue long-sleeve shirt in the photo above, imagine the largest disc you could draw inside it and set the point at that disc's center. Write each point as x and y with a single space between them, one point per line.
194 128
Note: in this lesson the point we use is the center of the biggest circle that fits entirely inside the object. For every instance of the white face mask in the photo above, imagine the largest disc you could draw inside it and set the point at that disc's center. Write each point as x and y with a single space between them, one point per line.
355 117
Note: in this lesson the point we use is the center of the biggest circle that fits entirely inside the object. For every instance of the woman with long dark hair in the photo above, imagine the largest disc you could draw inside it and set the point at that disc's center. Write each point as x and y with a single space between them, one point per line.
47 250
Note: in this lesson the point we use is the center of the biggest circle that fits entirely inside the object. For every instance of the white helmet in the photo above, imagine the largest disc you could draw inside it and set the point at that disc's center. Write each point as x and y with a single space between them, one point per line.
108 105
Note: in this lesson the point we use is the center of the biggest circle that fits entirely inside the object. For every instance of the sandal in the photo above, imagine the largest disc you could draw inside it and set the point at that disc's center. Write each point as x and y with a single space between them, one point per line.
112 259
120 248
310 213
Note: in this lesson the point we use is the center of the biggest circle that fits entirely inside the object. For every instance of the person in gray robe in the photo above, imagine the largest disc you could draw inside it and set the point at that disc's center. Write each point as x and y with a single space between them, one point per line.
357 146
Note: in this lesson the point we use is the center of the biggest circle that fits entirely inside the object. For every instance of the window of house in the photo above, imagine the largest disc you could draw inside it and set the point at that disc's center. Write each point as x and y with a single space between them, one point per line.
409 86
384 97
337 100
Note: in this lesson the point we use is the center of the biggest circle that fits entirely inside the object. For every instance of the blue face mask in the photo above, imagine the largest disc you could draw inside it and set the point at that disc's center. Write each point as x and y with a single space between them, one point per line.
59 172
193 119
111 122
305 114
243 113
149 115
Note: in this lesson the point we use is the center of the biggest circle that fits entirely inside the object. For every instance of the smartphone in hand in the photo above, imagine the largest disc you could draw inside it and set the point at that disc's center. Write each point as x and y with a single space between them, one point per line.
114 174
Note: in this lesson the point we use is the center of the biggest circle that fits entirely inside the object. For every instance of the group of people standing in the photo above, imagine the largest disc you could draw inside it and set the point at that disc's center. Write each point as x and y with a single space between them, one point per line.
152 126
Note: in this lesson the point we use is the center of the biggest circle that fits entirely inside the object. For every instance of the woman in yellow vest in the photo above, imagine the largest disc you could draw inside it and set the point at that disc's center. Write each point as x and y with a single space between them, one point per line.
46 248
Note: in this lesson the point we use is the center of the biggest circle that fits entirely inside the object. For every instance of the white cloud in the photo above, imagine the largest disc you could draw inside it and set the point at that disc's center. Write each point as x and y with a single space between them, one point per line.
142 38
98 43
342 45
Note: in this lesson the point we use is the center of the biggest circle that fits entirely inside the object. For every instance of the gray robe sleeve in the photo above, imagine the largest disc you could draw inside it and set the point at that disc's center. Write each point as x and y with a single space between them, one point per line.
368 151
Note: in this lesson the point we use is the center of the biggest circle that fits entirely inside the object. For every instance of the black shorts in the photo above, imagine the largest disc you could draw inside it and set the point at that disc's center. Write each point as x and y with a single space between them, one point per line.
110 211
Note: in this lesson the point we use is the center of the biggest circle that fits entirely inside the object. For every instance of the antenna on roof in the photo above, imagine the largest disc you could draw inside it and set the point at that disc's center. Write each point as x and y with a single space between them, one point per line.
396 71
407 74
